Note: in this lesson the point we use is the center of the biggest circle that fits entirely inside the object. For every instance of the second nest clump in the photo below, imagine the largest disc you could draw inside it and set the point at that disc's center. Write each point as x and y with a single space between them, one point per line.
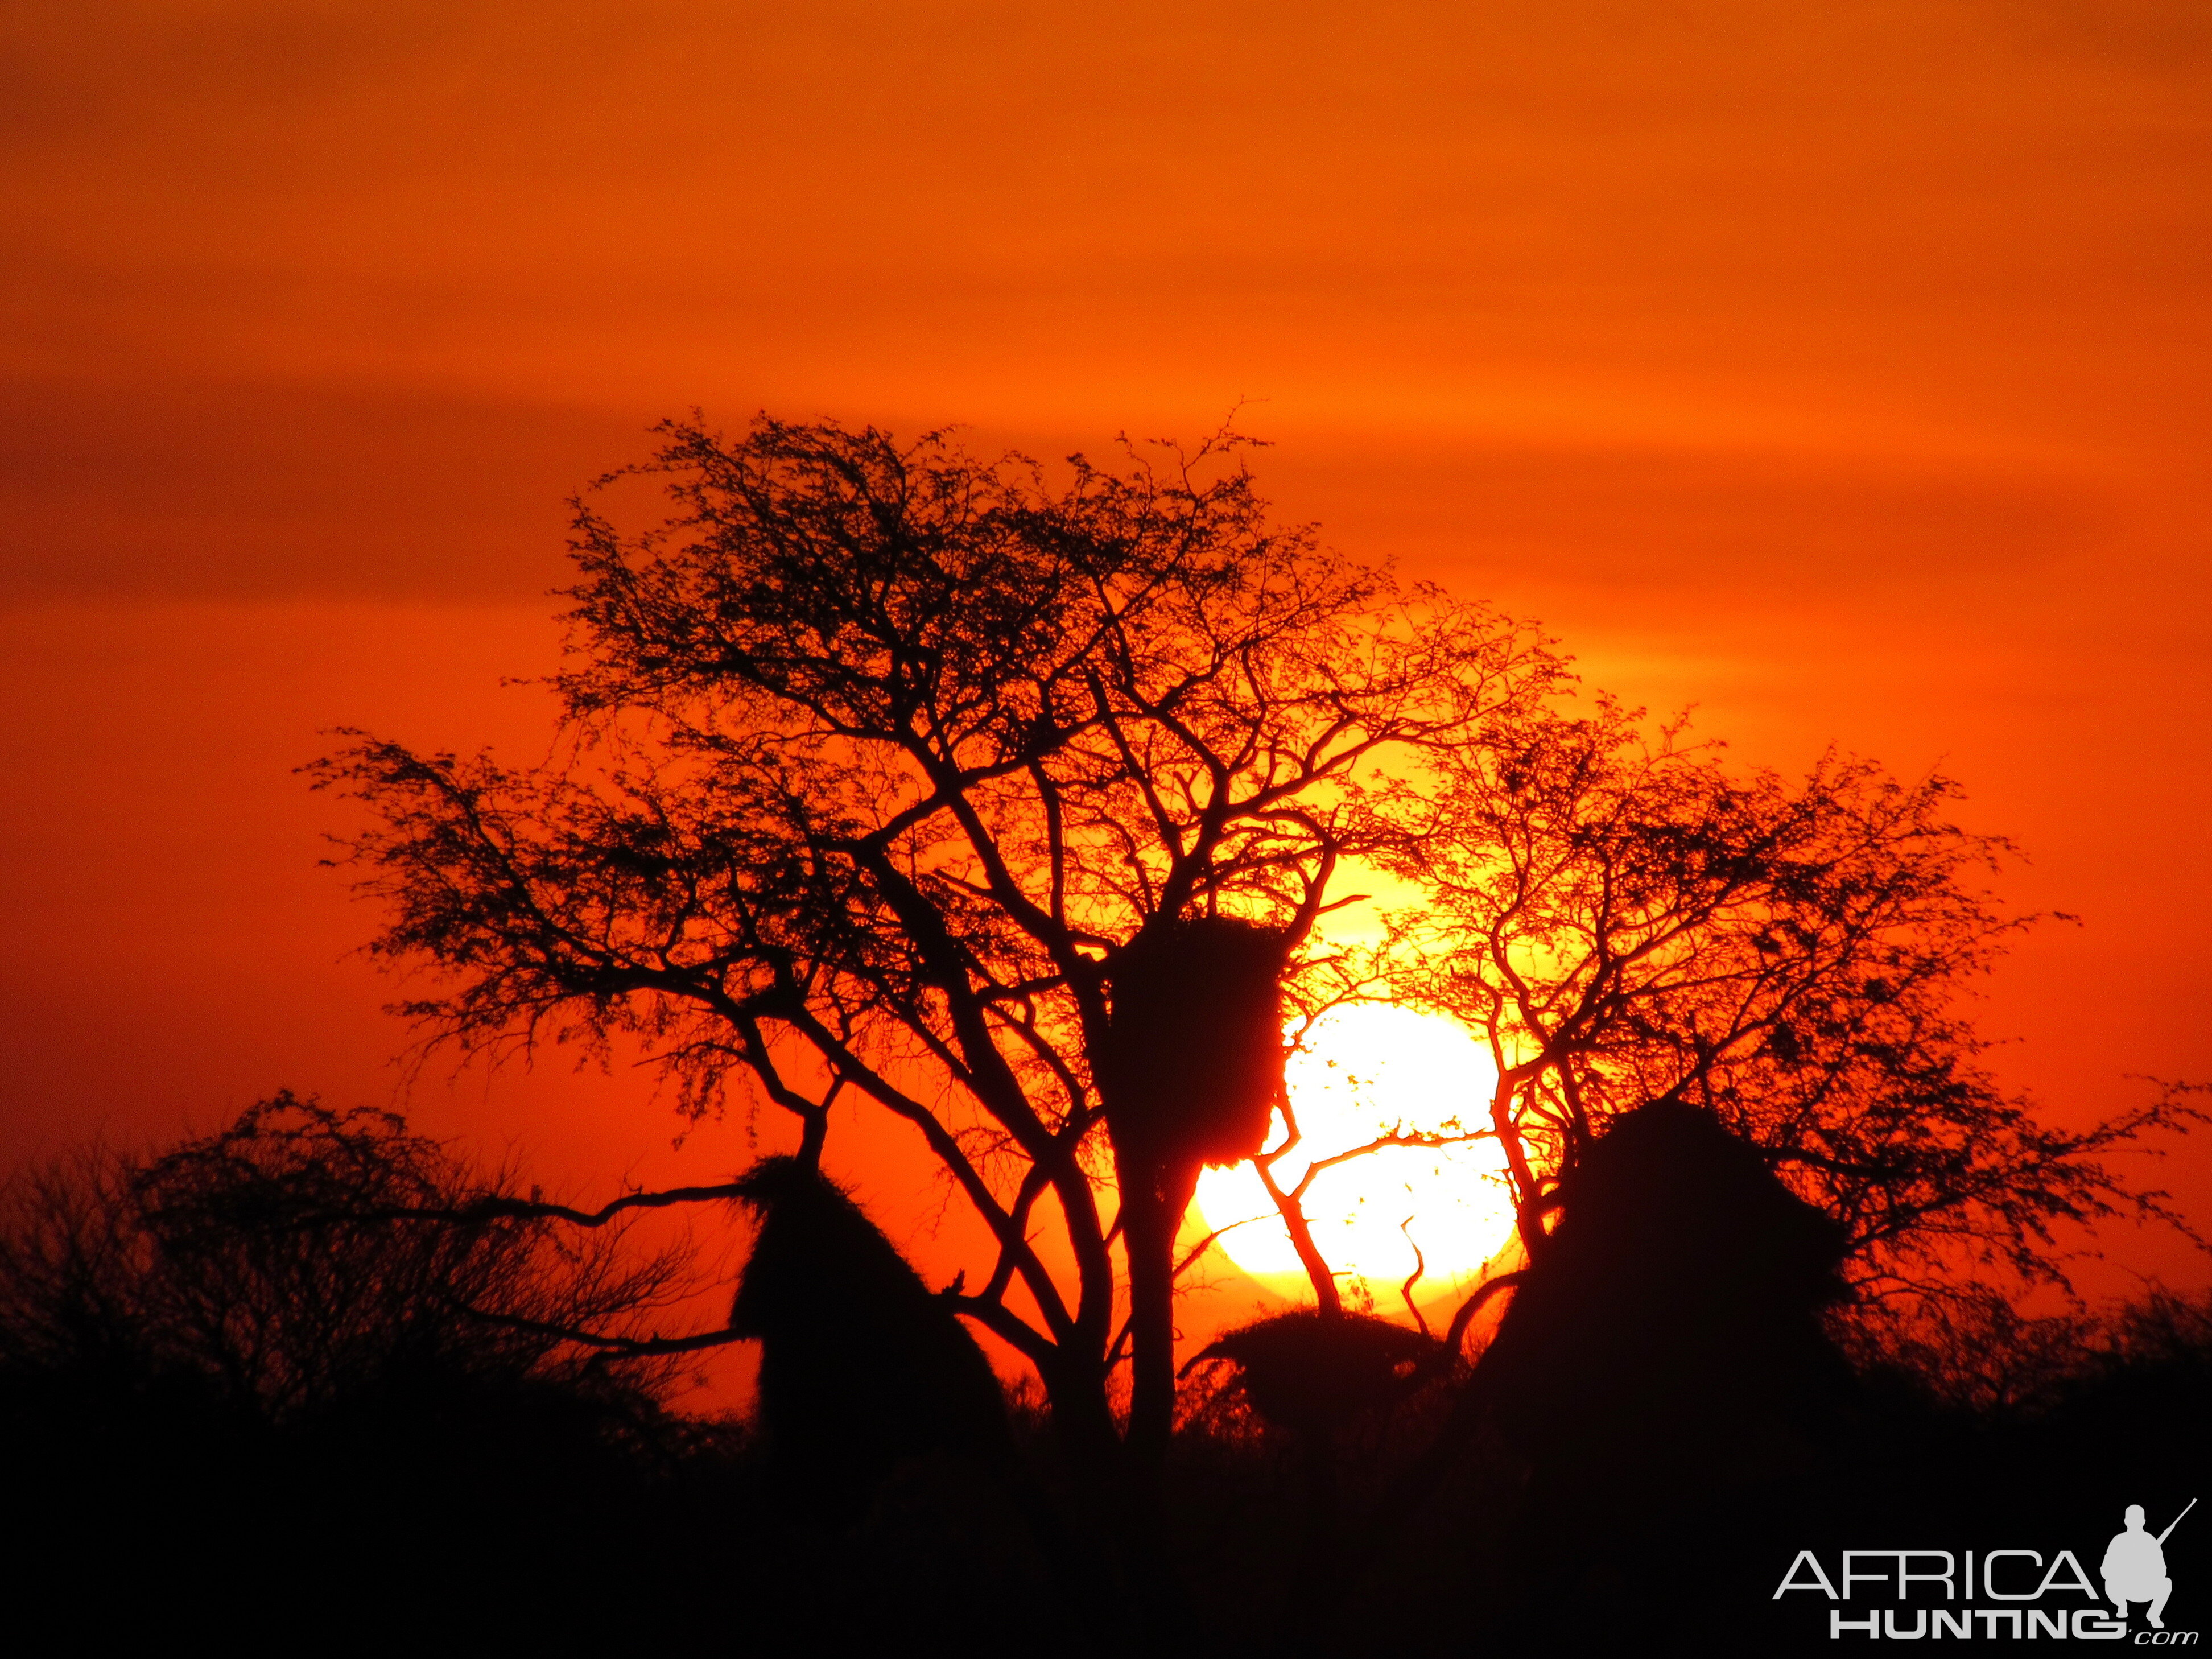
1312 1372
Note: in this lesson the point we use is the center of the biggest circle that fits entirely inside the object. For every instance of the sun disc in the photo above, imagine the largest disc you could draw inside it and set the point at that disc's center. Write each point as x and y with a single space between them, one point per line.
1365 1072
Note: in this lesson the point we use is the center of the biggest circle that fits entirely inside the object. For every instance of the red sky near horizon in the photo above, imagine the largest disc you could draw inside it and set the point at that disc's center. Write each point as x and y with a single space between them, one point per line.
1845 371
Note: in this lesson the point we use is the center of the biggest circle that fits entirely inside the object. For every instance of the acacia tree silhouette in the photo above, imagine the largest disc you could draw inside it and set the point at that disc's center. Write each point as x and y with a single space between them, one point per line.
894 772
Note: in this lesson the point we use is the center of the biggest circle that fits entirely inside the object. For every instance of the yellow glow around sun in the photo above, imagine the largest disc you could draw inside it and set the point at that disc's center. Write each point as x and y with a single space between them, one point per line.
1365 1070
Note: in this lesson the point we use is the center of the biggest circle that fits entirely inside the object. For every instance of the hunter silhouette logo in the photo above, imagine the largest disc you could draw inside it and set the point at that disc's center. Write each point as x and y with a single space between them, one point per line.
2135 1566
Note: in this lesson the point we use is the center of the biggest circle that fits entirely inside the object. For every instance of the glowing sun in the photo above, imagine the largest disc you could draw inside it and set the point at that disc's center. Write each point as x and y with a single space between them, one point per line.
1366 1070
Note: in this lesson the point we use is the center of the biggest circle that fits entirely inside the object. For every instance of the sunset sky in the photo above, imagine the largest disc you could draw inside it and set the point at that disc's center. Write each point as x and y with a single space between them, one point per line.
1845 370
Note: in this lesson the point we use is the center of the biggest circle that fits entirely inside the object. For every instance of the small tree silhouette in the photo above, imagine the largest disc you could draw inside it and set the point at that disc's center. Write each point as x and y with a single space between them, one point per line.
292 1264
1627 919
252 1359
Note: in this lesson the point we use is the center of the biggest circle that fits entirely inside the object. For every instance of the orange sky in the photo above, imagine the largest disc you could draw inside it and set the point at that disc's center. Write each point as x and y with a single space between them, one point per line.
1844 369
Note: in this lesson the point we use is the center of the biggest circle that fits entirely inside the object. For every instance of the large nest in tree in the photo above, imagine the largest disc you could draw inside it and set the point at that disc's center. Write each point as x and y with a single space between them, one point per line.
1193 1060
1309 1371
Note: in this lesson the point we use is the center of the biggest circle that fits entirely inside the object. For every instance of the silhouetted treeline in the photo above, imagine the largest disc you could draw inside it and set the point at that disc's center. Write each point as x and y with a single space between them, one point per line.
296 1379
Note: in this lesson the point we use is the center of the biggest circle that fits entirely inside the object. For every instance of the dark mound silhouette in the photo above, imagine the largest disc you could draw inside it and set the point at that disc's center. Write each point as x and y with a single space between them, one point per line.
1662 1383
1311 1372
862 1366
1672 1330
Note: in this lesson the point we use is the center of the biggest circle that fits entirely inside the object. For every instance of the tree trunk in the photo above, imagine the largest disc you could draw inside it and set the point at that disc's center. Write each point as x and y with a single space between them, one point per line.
1150 1220
1083 1423
1133 1588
